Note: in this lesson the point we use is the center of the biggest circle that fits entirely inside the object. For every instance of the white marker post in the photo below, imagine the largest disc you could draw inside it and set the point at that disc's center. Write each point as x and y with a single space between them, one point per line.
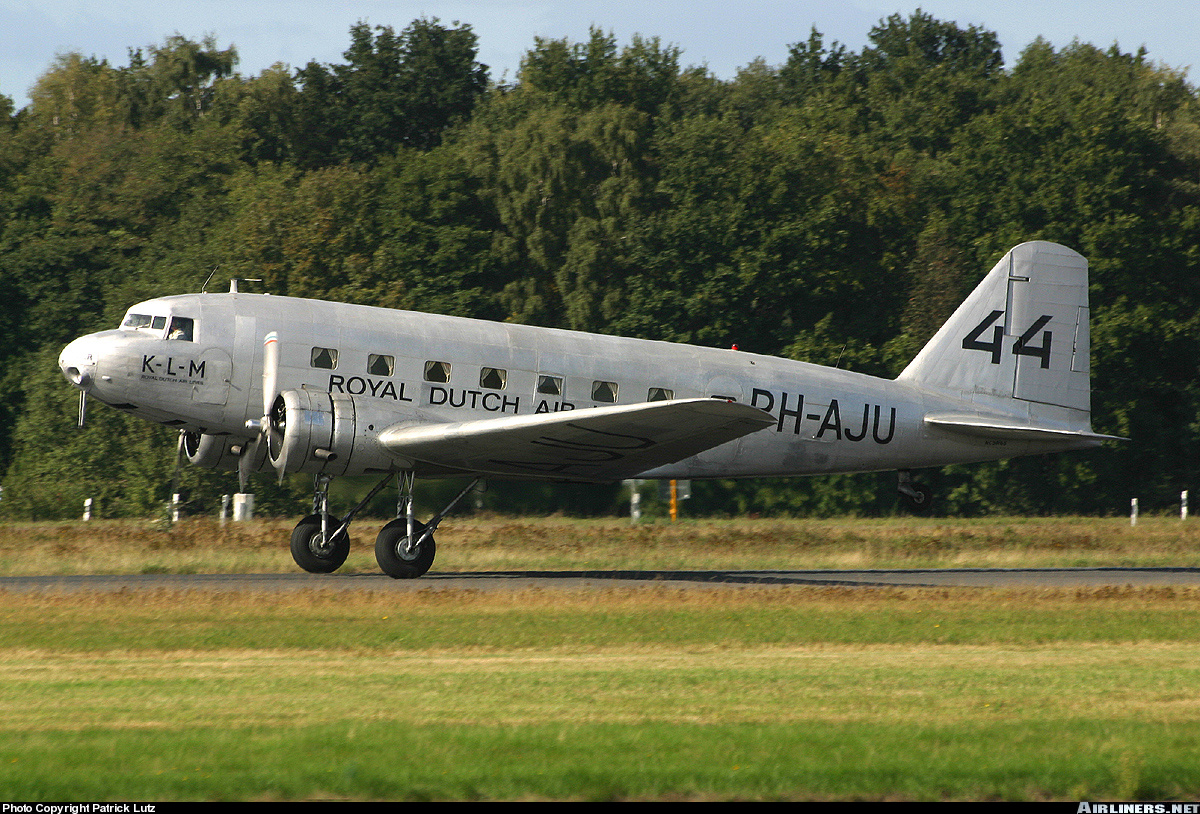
175 508
243 506
224 508
1133 512
87 509
1183 505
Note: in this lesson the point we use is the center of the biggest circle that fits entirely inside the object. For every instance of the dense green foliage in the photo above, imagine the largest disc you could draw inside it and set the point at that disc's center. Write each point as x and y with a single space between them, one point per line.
834 209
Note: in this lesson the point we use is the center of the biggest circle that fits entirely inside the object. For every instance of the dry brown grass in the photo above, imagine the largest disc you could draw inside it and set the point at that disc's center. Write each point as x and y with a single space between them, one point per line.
495 543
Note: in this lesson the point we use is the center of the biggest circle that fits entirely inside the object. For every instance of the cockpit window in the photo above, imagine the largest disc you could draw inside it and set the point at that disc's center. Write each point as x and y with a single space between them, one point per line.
144 322
181 328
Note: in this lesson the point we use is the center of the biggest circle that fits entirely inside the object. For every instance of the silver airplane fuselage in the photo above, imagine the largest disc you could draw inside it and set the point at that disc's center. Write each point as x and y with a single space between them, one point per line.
825 420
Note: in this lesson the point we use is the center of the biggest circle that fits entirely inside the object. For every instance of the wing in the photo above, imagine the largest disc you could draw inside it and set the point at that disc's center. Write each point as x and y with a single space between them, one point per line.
598 444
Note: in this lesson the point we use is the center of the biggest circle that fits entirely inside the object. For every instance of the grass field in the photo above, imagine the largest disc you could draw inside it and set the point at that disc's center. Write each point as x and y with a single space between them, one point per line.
787 693
261 546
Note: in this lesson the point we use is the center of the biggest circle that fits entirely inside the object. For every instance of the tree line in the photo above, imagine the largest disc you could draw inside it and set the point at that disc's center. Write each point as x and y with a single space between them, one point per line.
834 209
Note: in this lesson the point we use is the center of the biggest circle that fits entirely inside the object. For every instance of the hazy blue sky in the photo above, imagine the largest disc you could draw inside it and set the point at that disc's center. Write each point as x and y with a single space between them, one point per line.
721 34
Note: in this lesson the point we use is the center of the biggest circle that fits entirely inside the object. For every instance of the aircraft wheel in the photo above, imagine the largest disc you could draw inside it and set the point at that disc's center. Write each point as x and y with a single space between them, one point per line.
391 553
922 501
312 552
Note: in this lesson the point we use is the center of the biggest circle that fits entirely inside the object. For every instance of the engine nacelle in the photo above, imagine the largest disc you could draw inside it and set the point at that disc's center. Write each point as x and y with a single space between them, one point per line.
318 432
219 451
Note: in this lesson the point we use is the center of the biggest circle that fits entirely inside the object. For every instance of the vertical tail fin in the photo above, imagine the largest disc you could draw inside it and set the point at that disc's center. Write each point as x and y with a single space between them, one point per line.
1021 335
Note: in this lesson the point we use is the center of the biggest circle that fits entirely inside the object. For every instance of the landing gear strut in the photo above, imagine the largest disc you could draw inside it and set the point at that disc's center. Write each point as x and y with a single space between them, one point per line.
321 542
917 496
405 547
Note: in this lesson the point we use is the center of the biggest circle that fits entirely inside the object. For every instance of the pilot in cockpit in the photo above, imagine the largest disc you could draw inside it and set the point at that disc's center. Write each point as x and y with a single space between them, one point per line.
181 328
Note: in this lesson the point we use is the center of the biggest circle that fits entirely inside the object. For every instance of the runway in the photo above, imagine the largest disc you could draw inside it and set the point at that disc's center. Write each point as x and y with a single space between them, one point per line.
565 580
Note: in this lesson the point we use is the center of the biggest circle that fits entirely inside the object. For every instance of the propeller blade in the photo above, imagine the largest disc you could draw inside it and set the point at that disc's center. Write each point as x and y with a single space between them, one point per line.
246 463
270 371
180 453
271 427
262 427
277 427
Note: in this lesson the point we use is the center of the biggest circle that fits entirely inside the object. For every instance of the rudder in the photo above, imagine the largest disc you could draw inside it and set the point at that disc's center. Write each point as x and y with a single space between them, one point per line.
1021 334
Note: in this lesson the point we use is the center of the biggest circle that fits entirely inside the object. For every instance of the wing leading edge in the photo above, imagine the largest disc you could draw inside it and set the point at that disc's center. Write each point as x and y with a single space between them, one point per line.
597 444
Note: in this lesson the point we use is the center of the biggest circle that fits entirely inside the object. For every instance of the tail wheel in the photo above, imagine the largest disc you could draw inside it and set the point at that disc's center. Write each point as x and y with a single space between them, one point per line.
919 500
312 551
396 558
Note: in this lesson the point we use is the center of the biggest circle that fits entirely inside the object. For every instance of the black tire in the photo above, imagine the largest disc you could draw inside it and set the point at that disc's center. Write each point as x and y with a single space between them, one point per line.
921 502
312 553
394 560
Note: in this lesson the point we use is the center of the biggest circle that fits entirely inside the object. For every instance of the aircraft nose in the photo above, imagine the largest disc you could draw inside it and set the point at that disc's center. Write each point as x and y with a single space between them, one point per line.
78 364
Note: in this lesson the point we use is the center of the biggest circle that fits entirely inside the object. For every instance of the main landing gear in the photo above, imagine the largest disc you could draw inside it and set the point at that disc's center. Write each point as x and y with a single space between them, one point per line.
916 496
404 549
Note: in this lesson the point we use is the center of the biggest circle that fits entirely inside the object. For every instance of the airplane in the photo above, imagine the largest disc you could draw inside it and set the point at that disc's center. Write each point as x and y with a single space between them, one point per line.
256 382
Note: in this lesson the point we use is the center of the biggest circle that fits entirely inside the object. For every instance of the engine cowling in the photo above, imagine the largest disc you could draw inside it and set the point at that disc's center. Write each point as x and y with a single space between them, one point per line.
218 451
327 433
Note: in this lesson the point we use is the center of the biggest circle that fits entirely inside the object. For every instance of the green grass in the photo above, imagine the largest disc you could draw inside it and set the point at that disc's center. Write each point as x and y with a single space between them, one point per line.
813 760
539 619
631 694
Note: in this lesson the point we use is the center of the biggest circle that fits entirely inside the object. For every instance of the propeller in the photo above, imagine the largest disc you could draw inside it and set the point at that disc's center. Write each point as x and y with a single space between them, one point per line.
180 454
277 428
261 426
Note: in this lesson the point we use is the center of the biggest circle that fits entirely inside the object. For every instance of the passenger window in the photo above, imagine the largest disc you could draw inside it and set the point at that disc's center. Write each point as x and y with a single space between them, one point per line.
325 358
380 365
660 394
493 378
550 385
437 372
181 329
605 392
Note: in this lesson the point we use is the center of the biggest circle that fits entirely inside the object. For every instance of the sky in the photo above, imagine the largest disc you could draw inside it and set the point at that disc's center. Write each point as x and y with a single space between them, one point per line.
720 34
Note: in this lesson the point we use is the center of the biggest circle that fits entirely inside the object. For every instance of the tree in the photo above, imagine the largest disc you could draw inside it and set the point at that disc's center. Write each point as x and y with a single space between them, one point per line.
395 90
566 186
811 66
644 74
76 94
177 83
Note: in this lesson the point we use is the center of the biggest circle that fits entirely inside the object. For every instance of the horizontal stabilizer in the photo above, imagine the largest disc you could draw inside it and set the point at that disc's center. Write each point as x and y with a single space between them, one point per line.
1012 429
597 444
